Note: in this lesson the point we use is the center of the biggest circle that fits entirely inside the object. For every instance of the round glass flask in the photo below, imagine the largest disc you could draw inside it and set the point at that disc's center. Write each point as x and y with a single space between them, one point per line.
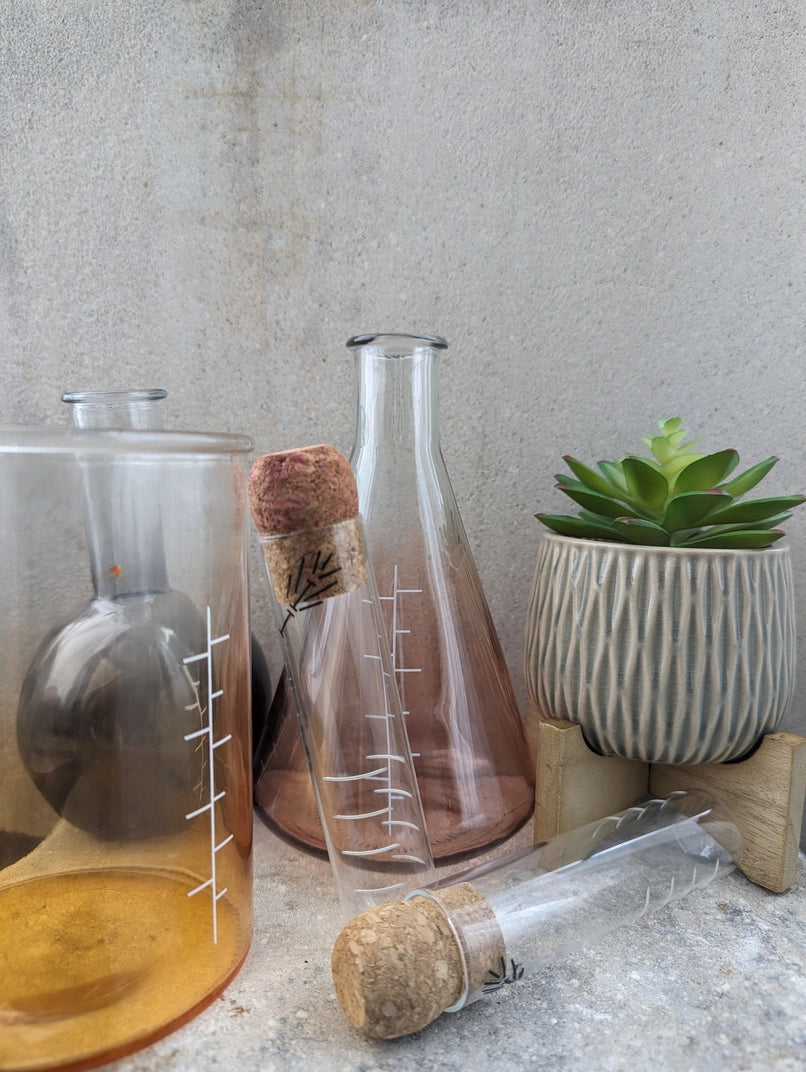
125 810
142 410
473 765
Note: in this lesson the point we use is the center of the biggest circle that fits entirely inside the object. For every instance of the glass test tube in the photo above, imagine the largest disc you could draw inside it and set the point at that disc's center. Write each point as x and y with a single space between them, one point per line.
500 922
338 664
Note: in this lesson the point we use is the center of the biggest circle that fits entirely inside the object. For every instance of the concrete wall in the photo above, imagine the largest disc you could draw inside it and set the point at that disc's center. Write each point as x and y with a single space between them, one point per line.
600 205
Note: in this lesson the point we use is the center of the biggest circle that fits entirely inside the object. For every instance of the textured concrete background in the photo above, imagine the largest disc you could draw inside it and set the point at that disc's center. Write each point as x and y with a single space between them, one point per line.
600 205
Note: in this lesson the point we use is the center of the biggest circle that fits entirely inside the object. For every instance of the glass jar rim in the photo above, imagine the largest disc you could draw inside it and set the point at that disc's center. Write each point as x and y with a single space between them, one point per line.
111 398
29 440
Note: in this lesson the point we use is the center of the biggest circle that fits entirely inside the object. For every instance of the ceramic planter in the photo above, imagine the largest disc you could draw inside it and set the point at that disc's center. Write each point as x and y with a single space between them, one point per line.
667 655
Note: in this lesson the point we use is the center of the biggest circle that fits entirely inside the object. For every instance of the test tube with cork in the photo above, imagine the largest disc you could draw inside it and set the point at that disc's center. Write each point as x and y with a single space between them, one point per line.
400 966
305 507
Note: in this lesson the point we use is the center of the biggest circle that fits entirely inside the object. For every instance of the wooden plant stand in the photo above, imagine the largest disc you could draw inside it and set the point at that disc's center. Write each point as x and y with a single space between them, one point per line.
765 792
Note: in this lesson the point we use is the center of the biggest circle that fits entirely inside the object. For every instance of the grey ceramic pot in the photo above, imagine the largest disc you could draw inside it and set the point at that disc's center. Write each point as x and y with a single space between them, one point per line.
667 655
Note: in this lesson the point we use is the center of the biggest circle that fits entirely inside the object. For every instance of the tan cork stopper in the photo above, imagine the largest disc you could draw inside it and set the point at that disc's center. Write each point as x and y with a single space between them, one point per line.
305 506
400 965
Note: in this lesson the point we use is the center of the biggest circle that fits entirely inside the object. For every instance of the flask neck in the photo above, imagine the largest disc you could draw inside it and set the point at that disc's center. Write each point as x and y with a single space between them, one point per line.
397 393
123 516
139 410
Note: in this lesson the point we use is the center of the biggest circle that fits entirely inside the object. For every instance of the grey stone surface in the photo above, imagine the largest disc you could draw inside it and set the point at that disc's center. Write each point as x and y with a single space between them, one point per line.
715 982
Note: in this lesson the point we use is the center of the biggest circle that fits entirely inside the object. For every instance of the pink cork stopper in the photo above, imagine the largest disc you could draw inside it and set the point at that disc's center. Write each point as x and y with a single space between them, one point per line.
296 490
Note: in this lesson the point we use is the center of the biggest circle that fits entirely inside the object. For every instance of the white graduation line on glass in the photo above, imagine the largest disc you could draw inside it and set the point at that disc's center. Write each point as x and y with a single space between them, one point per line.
208 808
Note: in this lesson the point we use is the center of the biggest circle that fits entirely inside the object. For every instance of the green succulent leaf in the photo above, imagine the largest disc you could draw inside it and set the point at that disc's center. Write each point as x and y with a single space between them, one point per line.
596 519
753 510
686 536
670 441
566 525
691 508
669 428
612 470
746 481
673 468
766 523
637 530
645 484
591 479
738 539
706 472
663 450
592 500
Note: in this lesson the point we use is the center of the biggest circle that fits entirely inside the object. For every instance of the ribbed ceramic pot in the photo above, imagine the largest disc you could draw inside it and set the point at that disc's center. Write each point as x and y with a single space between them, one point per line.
668 655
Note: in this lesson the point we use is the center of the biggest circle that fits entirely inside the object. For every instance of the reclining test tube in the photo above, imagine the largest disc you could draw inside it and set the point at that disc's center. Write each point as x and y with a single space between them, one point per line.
400 966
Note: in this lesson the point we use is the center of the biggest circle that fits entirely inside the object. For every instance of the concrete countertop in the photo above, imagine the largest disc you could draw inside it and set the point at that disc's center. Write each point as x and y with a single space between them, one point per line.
715 981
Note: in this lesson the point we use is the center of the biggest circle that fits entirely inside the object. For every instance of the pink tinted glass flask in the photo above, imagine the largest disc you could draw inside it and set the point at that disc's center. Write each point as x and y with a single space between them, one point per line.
474 770
467 735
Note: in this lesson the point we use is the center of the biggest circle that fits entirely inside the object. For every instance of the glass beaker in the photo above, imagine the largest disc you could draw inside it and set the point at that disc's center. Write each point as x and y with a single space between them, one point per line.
125 810
474 768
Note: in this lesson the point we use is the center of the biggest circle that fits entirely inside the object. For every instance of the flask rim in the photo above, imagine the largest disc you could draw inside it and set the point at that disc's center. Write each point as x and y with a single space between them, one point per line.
362 340
111 398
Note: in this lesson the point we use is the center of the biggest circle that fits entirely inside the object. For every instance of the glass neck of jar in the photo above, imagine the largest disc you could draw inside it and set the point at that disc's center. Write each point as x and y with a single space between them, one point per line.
397 398
122 495
139 410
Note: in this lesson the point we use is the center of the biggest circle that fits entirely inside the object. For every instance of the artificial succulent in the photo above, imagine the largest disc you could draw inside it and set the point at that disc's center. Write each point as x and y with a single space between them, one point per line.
676 498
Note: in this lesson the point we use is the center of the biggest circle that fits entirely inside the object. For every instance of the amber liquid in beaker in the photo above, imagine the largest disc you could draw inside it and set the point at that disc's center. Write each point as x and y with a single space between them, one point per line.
95 964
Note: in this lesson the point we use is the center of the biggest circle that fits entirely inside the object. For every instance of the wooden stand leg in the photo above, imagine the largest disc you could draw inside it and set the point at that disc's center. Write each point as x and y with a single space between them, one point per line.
764 793
575 786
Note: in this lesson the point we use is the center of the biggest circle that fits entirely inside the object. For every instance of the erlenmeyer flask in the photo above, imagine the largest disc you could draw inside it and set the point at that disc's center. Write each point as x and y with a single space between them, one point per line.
467 736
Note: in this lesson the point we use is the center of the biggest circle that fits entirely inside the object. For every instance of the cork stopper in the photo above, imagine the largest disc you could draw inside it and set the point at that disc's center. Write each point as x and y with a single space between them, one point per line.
400 965
304 504
307 488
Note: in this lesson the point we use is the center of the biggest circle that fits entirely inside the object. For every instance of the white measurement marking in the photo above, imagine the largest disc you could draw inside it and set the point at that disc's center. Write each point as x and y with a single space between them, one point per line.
374 852
392 794
397 794
396 631
354 777
208 731
380 889
364 815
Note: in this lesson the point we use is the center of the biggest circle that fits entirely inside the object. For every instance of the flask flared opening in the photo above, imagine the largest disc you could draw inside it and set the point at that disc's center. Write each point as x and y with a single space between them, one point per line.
377 337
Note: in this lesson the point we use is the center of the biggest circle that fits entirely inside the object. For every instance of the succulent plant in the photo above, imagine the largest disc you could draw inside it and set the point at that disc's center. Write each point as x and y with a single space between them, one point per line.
676 498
